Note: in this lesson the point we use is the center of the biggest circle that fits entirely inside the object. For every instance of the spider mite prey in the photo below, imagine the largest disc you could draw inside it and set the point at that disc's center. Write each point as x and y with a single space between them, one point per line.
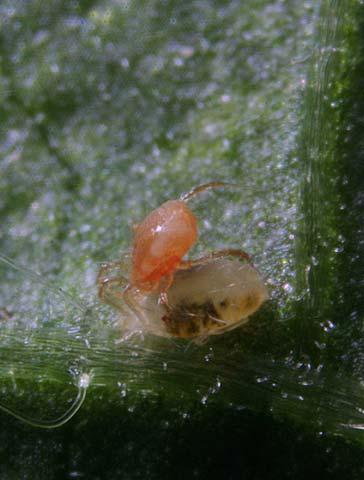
160 243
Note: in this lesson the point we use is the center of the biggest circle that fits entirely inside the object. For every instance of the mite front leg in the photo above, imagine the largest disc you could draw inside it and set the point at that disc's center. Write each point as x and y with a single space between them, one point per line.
113 269
165 283
133 298
111 291
110 288
228 252
185 197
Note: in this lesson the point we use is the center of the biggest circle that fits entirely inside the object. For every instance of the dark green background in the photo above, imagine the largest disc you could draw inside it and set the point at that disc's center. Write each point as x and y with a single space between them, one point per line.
110 108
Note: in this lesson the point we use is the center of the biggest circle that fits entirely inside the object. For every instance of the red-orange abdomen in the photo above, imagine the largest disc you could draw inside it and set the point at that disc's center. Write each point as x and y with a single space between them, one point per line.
160 242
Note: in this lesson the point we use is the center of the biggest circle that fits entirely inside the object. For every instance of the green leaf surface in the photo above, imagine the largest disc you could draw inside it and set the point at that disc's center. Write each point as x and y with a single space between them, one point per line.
107 110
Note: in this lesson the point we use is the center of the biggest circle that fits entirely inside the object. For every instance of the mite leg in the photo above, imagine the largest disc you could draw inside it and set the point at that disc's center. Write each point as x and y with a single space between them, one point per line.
108 291
228 252
110 287
130 295
201 188
166 282
107 268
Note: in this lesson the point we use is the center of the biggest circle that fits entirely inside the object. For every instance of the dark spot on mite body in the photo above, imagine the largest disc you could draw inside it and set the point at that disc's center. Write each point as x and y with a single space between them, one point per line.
249 301
206 314
205 319
193 327
224 303
186 320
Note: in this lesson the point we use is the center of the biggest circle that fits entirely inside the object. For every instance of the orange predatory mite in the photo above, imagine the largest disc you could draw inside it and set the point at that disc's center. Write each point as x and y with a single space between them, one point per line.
161 241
